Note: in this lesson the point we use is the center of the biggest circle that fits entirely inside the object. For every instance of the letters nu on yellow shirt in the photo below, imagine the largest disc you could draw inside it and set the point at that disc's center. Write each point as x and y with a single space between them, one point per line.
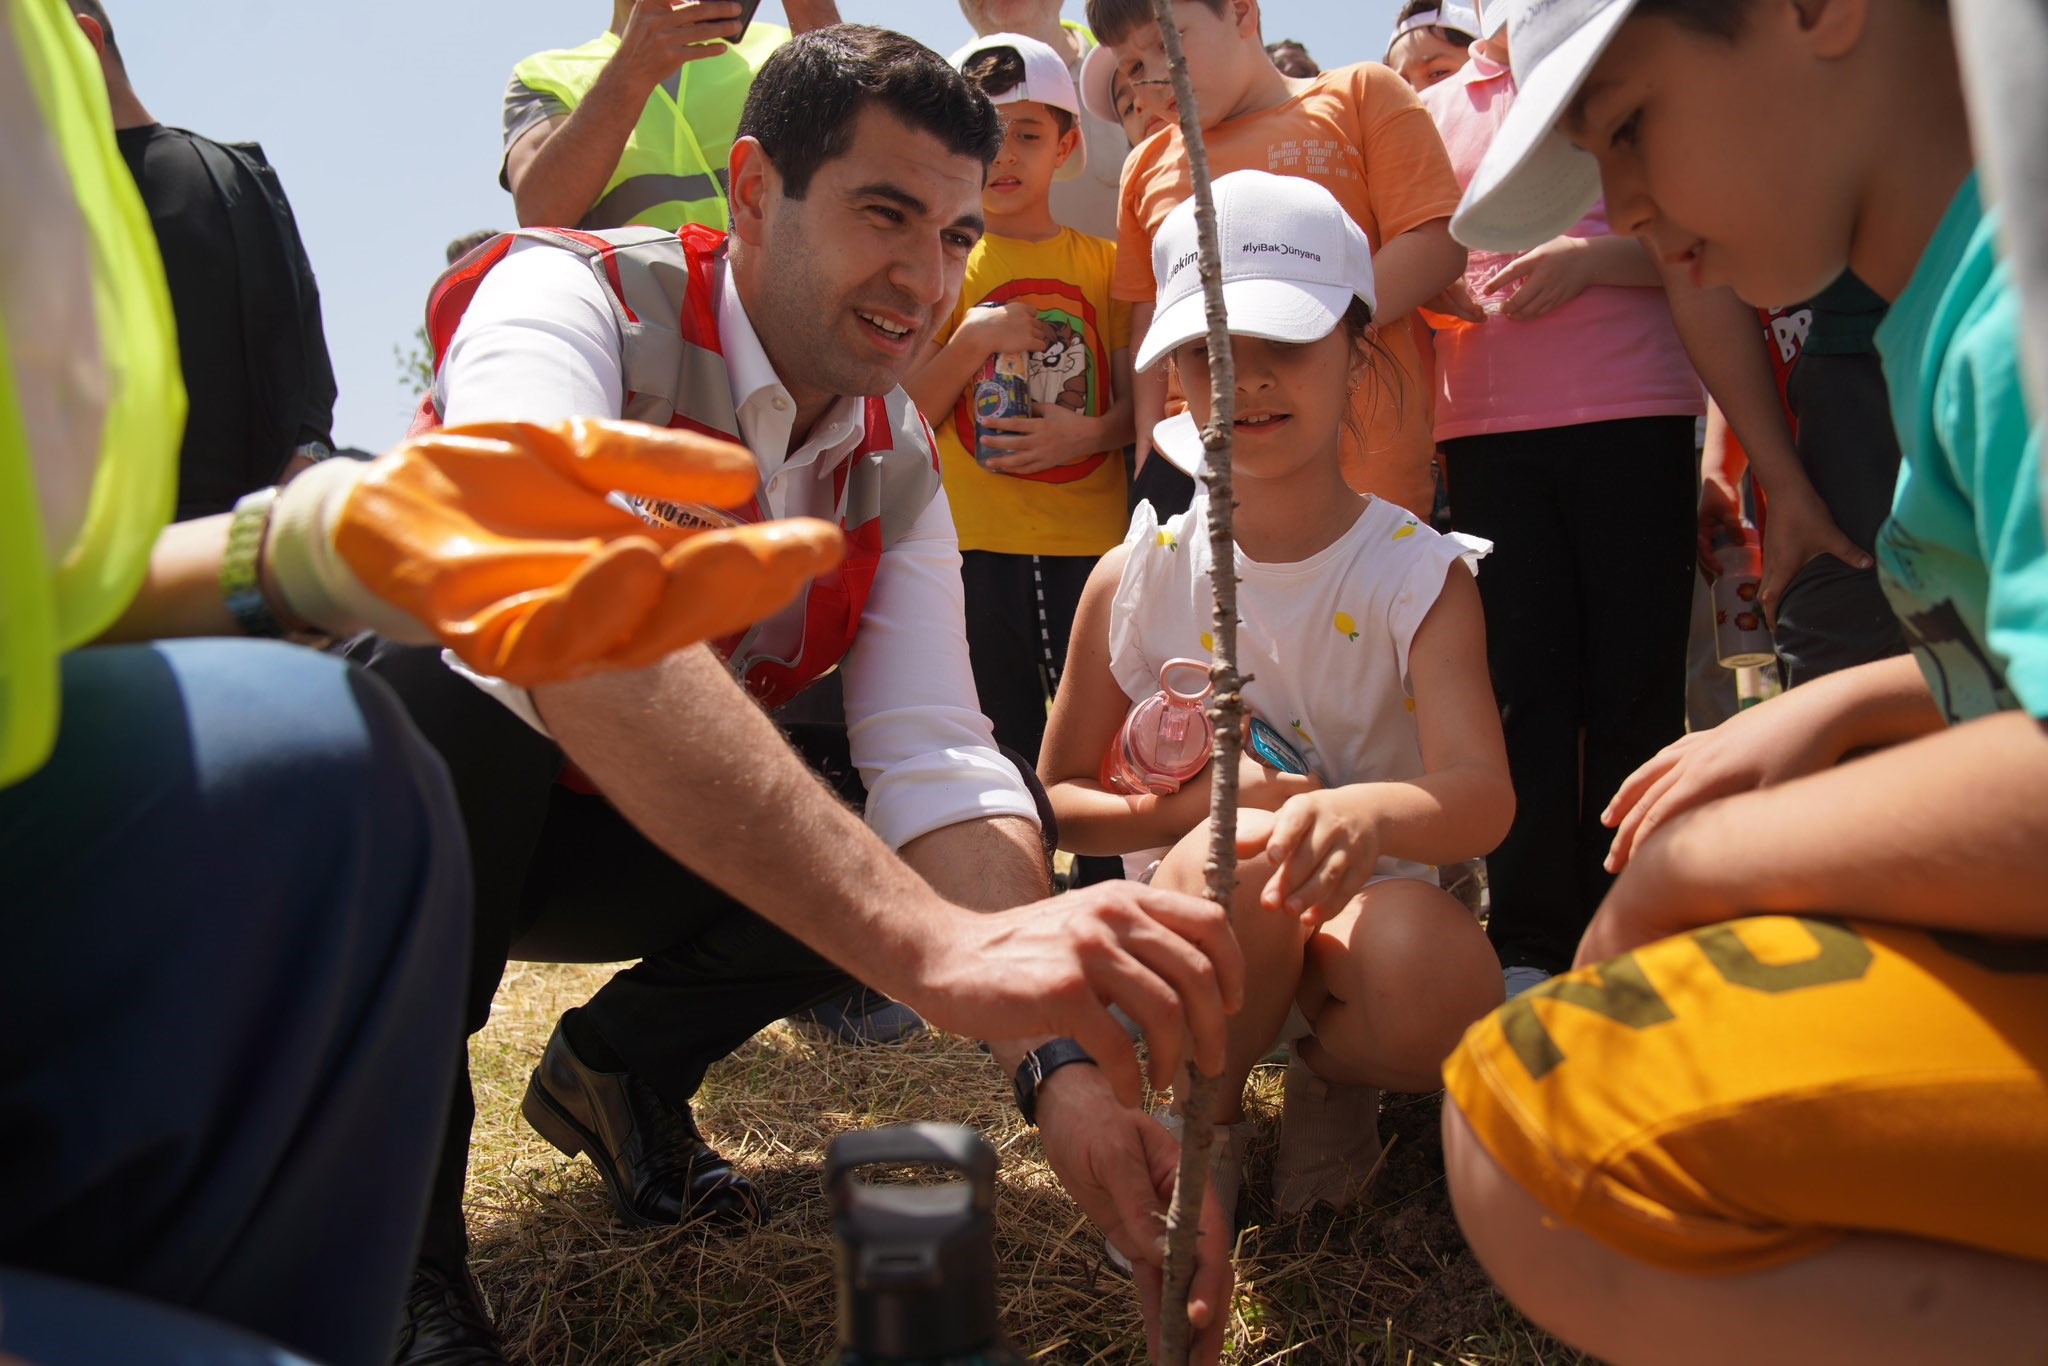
1077 509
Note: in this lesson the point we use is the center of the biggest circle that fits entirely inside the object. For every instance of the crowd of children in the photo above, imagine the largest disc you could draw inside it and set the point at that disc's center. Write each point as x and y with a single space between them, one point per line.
1554 378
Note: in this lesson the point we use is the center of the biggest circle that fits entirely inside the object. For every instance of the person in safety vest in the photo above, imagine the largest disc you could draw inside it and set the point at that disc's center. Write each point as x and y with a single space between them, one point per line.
677 814
634 127
236 914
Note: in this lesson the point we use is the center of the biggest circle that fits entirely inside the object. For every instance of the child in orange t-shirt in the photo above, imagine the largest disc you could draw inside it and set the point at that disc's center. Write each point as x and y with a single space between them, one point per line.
1361 134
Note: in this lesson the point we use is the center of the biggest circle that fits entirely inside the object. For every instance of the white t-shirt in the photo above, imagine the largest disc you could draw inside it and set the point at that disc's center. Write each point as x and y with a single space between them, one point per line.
1324 640
538 343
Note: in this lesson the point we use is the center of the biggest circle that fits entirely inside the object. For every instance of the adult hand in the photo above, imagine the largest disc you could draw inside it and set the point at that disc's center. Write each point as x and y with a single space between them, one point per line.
499 541
1323 846
1799 529
1119 1164
661 35
805 15
1766 745
1013 327
1454 304
1548 277
1053 437
1053 969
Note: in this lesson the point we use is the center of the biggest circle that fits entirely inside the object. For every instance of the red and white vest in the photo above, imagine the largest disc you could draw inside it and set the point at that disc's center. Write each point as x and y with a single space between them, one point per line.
664 289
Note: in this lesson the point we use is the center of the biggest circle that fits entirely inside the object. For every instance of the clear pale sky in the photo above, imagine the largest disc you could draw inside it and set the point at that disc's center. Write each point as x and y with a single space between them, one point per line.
382 118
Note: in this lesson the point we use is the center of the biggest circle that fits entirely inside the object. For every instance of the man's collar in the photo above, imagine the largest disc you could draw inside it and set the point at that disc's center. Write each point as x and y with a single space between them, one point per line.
745 361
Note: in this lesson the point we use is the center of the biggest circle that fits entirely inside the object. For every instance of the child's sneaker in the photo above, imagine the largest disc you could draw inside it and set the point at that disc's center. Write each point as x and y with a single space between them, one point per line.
1329 1141
1226 1171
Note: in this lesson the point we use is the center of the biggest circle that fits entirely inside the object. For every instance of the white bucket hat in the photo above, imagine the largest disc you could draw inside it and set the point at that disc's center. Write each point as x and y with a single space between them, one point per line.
1292 263
1046 80
1533 185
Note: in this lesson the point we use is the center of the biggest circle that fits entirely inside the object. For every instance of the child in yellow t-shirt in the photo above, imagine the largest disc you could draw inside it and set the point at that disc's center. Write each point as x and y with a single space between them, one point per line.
1360 133
1036 500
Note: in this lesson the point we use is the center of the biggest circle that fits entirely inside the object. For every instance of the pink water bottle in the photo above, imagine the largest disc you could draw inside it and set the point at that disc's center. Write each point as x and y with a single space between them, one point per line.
1166 738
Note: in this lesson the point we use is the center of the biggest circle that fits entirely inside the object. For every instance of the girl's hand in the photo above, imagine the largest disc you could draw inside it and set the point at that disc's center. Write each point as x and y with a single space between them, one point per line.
1761 747
1323 849
1268 789
1015 326
1056 436
1551 276
1800 529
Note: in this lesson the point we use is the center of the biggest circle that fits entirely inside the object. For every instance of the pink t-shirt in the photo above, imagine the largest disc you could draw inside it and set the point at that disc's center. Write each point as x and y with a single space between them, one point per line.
1611 353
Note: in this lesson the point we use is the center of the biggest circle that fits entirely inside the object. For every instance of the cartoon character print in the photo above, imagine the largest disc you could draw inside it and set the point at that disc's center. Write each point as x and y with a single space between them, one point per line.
1066 373
1966 680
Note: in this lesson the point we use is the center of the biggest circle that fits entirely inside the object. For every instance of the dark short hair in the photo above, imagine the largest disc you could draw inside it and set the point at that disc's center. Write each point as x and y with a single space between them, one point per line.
809 94
1112 21
999 70
1444 32
95 11
469 242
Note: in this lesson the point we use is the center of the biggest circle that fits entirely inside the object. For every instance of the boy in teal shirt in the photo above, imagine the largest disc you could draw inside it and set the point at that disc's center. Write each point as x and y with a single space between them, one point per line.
1746 1129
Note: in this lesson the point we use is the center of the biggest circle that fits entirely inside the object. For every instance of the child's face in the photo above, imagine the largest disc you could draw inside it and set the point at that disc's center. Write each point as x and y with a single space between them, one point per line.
1033 148
1690 133
1138 125
1215 45
1422 59
1292 399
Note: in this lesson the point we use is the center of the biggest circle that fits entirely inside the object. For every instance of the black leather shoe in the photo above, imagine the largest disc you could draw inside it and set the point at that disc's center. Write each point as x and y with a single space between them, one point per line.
660 1169
446 1323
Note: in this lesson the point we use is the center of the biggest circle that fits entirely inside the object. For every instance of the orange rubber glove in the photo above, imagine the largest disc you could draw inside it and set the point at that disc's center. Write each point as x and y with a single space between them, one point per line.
499 541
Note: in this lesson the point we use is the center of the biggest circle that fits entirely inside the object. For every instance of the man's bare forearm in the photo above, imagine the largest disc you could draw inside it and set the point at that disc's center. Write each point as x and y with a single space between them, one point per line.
574 163
689 759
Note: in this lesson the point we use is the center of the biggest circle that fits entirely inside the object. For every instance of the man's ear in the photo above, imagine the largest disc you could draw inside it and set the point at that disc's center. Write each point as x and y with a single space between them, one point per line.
94 34
753 186
1831 28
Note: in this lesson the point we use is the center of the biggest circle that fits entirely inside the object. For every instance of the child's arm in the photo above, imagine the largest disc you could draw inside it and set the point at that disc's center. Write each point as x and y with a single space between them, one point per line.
1724 341
945 371
1324 845
1086 713
1148 391
1805 731
1947 832
1410 270
1560 270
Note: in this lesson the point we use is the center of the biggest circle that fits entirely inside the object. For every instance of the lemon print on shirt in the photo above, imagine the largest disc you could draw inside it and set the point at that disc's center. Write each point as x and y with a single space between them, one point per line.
1305 740
1407 529
1208 642
1346 627
1167 539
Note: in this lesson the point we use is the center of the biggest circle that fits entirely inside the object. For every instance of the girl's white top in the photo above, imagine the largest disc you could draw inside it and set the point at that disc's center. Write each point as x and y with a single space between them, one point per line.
1324 640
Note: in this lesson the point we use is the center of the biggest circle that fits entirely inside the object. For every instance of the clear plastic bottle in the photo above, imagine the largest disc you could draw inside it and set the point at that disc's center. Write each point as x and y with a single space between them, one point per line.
1165 740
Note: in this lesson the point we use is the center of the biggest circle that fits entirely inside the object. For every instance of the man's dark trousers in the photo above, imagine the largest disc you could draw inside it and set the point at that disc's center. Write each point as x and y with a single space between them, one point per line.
562 877
236 923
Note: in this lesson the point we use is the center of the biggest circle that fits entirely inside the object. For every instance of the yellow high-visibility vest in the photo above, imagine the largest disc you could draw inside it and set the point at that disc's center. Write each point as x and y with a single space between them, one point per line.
91 403
673 169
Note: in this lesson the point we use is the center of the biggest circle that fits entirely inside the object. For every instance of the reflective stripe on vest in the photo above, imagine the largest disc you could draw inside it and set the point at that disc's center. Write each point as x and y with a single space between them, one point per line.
664 289
91 403
672 169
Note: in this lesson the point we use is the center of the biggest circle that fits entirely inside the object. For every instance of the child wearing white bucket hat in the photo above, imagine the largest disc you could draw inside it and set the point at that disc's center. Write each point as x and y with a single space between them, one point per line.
1791 1106
1380 755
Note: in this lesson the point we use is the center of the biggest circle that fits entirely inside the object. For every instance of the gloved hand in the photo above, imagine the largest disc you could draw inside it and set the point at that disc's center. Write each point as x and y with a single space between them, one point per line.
498 541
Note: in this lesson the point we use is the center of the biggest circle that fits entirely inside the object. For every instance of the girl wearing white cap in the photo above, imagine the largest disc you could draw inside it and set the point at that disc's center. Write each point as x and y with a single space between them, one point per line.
1361 632
1432 41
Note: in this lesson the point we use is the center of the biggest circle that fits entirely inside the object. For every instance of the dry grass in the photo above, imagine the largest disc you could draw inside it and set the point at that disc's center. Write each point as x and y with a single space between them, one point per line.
1388 1282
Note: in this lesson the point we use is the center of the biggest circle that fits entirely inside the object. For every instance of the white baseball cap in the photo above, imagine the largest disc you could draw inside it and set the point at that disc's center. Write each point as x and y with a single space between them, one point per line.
1046 81
1292 263
1098 71
1448 14
1533 185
